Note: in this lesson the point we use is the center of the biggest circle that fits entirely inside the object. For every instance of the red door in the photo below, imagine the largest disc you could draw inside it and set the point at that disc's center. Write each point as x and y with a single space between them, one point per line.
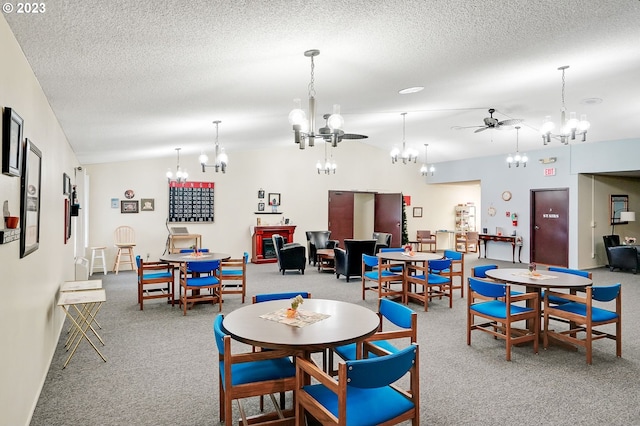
388 216
341 215
550 227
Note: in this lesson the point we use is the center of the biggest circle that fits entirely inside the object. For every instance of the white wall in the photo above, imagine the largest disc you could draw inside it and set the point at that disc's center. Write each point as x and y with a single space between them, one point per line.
30 321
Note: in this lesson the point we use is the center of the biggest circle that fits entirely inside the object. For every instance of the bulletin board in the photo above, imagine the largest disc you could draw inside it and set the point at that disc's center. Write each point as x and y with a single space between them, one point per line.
191 201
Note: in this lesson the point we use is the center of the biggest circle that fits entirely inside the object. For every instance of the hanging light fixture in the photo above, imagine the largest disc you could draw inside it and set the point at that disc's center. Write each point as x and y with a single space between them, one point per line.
303 128
425 170
407 154
329 166
570 128
517 159
181 175
221 159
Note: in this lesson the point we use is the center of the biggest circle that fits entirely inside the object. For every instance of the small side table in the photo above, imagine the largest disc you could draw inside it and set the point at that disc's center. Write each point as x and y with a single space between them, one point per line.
326 260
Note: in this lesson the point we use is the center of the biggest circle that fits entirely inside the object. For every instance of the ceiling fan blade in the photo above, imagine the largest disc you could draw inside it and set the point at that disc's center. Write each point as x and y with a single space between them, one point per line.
464 127
354 136
510 122
481 129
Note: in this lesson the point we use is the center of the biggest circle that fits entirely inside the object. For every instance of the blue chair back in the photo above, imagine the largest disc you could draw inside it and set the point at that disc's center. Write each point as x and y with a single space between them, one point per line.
265 297
570 271
205 266
219 333
391 249
190 250
481 271
397 313
138 261
381 371
245 256
605 293
487 289
453 255
370 261
439 264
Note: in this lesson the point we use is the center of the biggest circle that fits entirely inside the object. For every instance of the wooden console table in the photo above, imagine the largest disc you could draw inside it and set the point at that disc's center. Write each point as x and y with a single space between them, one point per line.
196 238
485 238
261 233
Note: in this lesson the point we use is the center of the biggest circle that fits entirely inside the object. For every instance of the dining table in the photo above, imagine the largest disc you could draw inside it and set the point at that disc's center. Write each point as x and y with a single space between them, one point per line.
202 256
404 258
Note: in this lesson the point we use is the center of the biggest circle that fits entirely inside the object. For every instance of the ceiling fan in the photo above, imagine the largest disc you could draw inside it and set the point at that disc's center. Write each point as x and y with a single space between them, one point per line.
493 123
335 136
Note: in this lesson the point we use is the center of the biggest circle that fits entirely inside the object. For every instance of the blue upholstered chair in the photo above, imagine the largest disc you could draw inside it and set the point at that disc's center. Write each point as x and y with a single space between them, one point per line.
155 281
561 300
363 393
249 374
405 326
265 297
423 285
397 268
481 271
584 317
233 276
376 276
496 306
457 270
202 286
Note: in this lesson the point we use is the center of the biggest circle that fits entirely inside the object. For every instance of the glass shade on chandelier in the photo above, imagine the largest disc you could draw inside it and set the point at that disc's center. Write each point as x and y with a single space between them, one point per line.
426 170
328 167
221 158
407 155
517 159
180 175
570 128
304 125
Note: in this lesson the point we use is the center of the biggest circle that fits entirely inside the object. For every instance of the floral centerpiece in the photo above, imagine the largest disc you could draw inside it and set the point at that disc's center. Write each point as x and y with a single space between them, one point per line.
295 302
408 249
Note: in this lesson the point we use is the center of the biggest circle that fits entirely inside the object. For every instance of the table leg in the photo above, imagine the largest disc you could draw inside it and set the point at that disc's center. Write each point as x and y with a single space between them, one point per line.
82 327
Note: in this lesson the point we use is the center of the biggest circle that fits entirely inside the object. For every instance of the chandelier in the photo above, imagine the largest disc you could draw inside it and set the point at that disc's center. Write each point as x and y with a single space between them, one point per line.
407 154
303 128
570 128
329 166
517 159
221 159
181 175
426 170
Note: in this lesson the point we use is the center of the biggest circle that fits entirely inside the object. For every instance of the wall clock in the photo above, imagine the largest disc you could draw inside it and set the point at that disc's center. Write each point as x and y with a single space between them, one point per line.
506 195
491 211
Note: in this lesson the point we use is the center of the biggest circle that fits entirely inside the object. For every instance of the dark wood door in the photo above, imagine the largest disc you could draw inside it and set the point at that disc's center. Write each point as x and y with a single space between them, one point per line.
388 216
341 205
550 227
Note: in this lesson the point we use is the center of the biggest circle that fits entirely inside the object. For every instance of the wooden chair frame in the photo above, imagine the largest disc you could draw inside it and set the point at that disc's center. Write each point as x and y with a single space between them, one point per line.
418 275
148 284
234 270
199 293
383 280
426 238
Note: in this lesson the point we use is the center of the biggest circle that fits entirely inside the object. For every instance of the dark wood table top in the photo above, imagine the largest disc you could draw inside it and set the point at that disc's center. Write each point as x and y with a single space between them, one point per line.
325 252
399 256
186 257
556 279
347 323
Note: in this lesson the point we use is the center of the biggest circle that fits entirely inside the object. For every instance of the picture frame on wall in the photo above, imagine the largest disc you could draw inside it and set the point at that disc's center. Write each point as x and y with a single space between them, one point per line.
30 199
12 129
417 212
129 206
114 203
66 184
147 204
618 204
260 207
274 199
261 193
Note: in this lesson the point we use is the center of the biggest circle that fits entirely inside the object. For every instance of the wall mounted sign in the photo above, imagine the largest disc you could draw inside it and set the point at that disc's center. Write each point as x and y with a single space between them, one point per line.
191 201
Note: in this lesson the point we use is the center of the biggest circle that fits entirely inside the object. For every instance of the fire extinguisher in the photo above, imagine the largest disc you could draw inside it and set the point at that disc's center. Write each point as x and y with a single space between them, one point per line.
514 219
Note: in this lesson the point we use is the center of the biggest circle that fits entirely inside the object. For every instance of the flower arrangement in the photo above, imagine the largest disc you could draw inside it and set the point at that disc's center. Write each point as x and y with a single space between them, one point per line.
408 249
295 302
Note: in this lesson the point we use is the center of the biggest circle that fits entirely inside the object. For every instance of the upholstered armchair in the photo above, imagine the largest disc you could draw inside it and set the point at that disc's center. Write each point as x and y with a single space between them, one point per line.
318 240
621 257
383 240
349 260
290 256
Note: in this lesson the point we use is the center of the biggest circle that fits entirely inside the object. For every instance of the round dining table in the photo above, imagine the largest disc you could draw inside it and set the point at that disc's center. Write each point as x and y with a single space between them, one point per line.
345 323
546 279
400 256
189 257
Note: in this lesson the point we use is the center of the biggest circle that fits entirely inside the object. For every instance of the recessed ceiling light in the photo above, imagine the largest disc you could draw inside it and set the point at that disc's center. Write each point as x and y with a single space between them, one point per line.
413 89
591 101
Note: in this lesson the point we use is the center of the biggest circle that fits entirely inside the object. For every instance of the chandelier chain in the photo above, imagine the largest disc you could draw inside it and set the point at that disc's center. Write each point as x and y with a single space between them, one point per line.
563 84
312 89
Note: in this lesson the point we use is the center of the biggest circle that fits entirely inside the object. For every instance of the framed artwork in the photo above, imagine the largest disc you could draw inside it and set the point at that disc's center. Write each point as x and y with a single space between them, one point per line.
114 203
417 212
261 193
129 194
129 206
260 207
618 204
147 204
66 184
30 199
274 199
12 125
67 220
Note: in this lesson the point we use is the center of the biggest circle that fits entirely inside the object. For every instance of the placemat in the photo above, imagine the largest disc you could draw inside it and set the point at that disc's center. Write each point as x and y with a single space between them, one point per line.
535 277
302 319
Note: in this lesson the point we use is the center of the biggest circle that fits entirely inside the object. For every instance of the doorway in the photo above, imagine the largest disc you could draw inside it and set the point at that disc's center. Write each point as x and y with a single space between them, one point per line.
550 226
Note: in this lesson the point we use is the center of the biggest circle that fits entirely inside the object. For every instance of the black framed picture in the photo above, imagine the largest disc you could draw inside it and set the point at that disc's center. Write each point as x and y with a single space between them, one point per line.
30 199
274 199
148 204
617 205
129 206
66 184
417 212
12 128
260 207
261 193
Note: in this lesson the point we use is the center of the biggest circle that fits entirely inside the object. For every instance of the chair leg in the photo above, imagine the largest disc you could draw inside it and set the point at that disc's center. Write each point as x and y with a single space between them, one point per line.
116 264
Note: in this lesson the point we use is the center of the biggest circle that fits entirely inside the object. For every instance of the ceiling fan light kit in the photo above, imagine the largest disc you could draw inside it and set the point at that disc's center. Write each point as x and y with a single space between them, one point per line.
221 160
570 127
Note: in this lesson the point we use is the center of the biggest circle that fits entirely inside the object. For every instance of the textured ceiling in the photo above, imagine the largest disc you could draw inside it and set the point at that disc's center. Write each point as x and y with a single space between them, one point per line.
135 79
